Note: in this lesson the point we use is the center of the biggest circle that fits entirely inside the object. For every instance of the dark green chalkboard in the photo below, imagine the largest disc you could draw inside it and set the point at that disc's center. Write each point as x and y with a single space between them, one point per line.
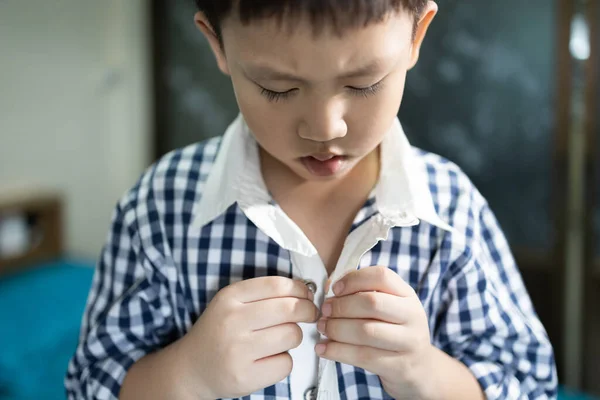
483 96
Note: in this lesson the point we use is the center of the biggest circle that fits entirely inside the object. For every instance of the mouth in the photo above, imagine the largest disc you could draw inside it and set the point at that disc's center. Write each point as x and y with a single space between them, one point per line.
324 164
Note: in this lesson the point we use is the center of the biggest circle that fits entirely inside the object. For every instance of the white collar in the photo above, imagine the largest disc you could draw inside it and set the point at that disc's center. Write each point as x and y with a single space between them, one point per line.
402 195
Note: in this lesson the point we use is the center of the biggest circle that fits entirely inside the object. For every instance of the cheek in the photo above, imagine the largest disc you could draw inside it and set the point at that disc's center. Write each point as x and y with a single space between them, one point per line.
249 99
392 93
266 120
371 119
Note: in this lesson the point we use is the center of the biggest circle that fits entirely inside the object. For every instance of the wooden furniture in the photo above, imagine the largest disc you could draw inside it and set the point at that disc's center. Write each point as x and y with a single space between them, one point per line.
43 294
43 211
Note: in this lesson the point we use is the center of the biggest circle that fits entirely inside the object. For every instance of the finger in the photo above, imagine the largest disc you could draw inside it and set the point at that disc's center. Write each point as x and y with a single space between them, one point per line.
370 305
272 341
366 332
379 279
268 287
271 370
272 312
376 361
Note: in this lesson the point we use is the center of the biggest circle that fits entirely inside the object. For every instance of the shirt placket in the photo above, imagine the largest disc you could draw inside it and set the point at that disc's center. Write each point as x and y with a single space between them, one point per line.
312 270
358 243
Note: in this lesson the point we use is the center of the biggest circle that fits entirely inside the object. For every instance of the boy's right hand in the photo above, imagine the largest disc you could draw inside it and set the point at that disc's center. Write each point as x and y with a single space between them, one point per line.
239 345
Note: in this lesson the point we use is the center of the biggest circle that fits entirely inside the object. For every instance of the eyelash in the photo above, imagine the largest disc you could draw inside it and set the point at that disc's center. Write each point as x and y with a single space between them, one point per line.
368 91
276 96
273 96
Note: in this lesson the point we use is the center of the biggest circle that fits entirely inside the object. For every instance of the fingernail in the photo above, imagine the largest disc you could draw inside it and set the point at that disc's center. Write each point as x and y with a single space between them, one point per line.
311 296
321 325
320 348
326 309
338 288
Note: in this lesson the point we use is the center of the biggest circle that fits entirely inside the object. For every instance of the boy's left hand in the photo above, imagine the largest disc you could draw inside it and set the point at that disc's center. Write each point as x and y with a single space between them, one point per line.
376 322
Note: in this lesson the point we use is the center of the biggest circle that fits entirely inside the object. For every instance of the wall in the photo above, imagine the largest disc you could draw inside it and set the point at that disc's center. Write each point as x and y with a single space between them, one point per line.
74 104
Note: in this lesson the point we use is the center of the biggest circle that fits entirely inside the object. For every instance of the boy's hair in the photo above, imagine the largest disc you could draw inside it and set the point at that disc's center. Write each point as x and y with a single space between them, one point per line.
339 14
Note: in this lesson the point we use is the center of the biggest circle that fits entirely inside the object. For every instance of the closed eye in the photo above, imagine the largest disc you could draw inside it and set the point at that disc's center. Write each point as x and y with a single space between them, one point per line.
366 91
274 96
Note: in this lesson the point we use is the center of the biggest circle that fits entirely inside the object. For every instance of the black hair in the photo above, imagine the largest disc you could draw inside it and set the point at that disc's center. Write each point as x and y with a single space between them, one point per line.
339 14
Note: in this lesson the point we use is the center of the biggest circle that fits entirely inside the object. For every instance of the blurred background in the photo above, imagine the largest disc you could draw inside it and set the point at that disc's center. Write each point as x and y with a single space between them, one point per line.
92 92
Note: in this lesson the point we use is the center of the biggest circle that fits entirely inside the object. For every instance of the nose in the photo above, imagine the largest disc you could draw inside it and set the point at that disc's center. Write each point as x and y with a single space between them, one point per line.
323 123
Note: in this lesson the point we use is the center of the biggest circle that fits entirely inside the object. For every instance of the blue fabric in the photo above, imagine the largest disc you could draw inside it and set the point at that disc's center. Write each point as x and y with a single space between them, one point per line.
40 316
566 394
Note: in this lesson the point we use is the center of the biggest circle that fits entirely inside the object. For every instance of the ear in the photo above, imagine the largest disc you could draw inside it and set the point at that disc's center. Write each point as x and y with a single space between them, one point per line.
215 44
427 16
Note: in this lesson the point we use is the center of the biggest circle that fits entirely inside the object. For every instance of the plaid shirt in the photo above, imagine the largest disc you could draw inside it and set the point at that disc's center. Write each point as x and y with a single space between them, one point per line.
201 219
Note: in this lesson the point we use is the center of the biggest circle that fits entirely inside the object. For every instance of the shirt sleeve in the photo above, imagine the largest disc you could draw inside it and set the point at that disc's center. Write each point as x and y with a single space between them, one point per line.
127 316
490 324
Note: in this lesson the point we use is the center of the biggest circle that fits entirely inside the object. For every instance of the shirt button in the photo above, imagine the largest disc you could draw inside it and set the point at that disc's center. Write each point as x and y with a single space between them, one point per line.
310 394
311 286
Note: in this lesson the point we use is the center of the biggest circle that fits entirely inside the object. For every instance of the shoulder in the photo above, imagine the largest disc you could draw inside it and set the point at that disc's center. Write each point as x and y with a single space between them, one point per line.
169 188
458 202
454 195
477 237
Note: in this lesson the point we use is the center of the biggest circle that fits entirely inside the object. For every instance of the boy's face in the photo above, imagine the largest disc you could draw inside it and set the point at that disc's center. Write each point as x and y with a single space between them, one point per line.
319 104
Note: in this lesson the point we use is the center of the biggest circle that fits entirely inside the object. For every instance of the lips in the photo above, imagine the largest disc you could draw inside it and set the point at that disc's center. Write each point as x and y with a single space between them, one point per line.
324 156
324 165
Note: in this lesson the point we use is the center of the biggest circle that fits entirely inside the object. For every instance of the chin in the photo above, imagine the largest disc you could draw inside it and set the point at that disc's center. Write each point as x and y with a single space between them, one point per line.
312 178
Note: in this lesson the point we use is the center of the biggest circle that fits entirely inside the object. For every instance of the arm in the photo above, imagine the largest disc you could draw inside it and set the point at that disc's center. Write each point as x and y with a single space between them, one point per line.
489 323
450 379
128 315
159 376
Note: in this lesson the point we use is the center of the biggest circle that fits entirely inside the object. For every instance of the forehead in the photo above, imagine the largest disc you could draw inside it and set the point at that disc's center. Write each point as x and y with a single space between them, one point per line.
296 45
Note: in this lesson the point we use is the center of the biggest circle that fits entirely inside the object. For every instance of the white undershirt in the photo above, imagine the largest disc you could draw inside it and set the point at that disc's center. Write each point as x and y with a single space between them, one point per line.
306 362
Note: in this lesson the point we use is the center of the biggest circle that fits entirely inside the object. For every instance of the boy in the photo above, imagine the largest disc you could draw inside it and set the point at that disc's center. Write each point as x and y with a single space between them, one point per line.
215 279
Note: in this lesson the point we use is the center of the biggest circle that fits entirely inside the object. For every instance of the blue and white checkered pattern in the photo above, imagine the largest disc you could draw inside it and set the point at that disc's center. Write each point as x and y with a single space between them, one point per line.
157 275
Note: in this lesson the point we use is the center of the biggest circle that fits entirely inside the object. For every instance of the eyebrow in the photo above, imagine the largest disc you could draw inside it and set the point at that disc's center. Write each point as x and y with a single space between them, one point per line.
270 74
